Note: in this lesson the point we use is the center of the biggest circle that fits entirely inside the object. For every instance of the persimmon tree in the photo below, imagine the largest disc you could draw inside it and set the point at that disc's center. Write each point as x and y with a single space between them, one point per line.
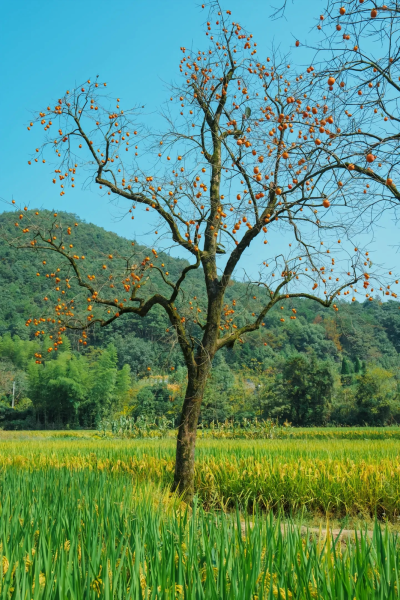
241 157
358 62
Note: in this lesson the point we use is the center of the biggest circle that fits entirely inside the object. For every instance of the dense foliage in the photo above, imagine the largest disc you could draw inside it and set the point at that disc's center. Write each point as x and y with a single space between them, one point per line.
322 367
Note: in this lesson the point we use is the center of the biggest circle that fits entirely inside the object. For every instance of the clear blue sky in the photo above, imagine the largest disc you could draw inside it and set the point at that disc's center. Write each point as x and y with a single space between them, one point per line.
134 46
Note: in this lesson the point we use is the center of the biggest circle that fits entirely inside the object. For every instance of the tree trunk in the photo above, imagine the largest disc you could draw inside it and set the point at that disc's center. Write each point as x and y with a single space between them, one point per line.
187 432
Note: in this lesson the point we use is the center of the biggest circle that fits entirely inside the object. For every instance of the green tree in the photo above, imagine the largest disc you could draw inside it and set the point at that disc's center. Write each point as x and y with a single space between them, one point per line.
145 403
217 403
346 372
275 402
308 387
345 367
13 383
123 385
58 387
18 351
155 401
376 397
103 378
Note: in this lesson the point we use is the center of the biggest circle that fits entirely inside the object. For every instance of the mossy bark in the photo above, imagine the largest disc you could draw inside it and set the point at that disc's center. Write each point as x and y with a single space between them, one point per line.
187 434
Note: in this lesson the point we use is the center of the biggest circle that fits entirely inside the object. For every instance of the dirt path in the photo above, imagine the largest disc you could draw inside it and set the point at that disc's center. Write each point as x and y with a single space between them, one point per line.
341 535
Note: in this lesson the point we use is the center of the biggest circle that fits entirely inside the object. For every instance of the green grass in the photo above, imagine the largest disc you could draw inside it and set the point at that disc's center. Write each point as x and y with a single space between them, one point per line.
335 478
87 518
90 534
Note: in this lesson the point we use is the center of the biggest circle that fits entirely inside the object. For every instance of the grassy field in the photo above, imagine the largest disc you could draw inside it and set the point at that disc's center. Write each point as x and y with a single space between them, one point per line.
83 517
331 477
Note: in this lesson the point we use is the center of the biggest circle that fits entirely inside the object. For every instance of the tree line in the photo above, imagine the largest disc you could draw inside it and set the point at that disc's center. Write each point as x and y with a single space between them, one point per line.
322 368
300 377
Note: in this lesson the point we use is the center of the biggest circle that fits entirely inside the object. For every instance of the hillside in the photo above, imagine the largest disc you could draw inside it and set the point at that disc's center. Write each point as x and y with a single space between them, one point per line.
358 334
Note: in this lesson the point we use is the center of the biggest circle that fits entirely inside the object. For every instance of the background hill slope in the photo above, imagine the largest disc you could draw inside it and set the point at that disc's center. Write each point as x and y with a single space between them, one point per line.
248 377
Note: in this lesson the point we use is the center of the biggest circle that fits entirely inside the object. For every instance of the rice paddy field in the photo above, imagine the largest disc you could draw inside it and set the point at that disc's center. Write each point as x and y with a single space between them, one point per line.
85 516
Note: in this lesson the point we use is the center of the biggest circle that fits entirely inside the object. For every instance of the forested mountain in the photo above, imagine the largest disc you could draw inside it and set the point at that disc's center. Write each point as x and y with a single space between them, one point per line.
323 366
